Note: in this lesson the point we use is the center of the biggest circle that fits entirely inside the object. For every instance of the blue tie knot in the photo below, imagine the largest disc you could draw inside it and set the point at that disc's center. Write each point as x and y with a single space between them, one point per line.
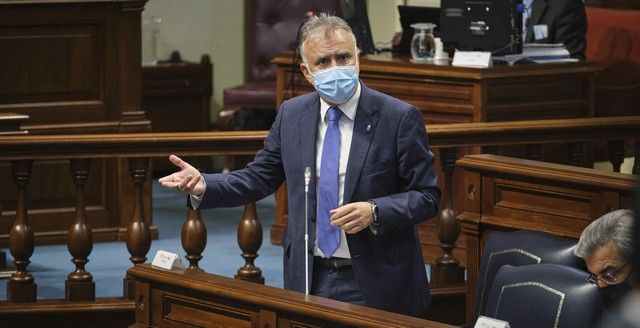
334 113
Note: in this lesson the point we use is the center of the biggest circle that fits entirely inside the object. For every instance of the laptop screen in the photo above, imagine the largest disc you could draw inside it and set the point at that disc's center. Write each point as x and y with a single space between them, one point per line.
415 14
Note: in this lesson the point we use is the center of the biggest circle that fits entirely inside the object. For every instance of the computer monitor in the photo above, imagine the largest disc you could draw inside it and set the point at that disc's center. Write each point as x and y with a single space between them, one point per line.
354 12
482 25
411 15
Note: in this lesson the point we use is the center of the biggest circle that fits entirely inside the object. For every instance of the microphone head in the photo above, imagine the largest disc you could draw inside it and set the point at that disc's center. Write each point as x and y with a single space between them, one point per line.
307 175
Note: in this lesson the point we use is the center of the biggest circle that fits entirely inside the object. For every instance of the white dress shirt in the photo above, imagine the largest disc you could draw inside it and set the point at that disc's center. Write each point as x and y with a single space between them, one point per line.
346 132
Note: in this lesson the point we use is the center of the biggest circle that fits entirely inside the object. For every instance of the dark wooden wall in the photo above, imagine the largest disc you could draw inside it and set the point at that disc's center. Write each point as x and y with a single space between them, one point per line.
73 67
176 96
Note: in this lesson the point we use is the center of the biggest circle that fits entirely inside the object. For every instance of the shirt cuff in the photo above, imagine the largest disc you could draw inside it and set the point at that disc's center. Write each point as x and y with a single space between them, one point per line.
197 199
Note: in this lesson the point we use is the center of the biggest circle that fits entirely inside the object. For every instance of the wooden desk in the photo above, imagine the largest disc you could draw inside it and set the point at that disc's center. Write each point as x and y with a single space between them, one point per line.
179 297
447 94
505 194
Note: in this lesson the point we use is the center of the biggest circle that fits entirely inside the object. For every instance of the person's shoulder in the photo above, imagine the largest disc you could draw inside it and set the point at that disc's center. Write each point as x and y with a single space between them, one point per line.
386 101
301 99
296 103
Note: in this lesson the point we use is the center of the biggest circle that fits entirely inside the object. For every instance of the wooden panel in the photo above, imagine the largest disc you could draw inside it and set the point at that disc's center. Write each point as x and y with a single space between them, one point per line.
506 194
185 297
70 70
535 98
103 313
562 211
174 90
73 67
179 309
58 64
439 102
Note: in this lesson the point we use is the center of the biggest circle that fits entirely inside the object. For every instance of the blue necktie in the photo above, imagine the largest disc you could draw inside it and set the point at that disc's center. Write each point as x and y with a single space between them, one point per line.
328 235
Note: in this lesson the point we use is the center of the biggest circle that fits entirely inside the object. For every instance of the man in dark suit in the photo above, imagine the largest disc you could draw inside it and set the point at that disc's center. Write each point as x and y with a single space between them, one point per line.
371 180
556 21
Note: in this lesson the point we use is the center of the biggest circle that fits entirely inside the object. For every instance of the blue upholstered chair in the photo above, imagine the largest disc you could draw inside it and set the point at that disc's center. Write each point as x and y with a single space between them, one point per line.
544 295
518 248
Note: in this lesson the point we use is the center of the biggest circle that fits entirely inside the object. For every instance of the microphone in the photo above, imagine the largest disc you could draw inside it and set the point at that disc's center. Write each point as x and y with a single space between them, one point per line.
307 180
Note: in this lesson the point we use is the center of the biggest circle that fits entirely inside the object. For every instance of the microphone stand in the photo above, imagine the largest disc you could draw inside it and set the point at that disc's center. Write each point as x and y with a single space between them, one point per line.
307 179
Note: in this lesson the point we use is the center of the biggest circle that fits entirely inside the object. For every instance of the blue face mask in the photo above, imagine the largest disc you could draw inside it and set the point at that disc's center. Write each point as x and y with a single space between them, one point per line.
336 84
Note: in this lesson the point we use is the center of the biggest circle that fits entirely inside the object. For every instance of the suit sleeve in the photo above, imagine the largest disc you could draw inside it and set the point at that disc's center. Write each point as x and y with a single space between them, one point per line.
420 194
257 180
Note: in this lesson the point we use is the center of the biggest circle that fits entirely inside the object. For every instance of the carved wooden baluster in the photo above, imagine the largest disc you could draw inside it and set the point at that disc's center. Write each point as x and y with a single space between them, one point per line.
447 270
194 238
79 285
616 153
577 153
138 233
250 240
21 287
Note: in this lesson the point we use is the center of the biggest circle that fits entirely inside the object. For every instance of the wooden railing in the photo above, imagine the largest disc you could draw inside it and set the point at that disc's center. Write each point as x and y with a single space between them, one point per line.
22 151
175 298
449 139
138 148
506 194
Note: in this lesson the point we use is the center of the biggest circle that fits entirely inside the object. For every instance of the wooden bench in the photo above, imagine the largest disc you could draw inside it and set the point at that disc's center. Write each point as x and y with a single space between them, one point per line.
503 194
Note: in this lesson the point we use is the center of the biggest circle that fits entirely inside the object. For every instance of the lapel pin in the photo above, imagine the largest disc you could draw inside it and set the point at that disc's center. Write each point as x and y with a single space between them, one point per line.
368 127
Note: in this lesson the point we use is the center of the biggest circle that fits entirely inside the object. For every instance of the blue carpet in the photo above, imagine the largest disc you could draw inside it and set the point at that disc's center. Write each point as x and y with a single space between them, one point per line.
108 262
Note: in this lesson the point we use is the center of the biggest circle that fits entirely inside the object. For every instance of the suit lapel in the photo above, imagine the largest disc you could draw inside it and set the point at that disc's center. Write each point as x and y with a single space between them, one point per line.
308 128
537 10
363 129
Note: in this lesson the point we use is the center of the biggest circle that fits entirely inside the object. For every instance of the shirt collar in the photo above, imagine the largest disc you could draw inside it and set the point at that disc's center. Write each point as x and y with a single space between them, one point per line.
348 108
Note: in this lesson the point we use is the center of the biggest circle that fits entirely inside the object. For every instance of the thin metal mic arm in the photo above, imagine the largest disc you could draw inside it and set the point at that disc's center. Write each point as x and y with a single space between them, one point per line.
307 180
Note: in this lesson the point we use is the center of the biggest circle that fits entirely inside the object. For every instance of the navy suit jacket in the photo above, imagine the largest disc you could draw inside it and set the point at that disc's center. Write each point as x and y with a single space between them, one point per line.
566 23
390 163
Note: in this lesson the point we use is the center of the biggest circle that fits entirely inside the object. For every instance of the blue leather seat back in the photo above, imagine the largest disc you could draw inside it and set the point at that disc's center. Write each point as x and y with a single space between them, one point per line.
544 295
517 248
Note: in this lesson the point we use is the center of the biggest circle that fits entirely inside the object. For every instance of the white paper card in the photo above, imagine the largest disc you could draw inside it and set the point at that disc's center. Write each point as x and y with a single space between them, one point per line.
166 260
540 32
477 59
486 322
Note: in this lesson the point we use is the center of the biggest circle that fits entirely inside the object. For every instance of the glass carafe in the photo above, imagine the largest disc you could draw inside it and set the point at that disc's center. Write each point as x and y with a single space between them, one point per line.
150 29
422 44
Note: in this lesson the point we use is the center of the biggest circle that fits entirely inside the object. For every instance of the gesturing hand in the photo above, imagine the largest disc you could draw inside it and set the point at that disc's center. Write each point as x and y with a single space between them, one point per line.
188 179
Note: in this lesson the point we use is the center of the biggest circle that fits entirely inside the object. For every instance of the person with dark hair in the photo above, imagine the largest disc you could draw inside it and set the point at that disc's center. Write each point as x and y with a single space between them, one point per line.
556 21
607 246
363 157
